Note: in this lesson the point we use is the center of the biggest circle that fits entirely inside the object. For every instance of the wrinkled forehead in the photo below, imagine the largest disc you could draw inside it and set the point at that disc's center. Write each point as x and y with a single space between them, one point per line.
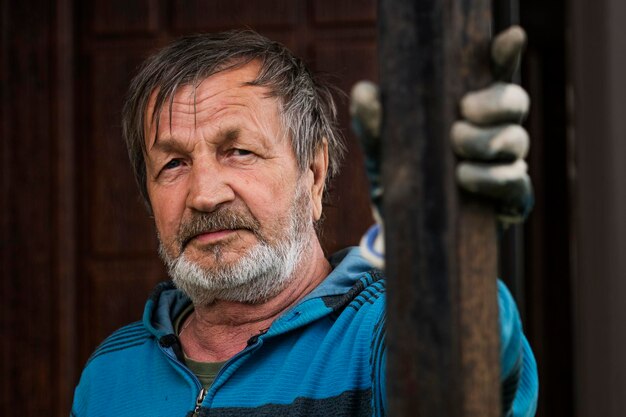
227 87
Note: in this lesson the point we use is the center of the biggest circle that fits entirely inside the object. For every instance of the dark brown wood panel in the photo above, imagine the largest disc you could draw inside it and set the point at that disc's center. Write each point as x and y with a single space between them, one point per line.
65 363
597 103
547 233
114 17
30 349
347 61
330 12
347 212
119 221
200 15
118 292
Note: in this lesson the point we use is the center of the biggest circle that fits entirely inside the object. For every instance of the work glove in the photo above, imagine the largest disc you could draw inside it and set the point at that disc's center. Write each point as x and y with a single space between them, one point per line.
489 142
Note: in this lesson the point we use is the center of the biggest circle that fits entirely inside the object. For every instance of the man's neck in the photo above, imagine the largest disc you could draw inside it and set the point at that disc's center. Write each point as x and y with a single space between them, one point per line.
217 332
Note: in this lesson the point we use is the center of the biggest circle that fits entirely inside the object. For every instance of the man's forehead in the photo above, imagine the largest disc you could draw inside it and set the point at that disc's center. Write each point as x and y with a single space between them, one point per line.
189 98
205 87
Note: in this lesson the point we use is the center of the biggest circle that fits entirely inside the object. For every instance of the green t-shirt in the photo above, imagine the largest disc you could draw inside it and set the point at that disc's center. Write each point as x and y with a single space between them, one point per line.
205 371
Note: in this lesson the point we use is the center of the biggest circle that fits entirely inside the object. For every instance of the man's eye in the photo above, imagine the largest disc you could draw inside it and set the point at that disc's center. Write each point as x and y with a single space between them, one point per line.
241 152
174 163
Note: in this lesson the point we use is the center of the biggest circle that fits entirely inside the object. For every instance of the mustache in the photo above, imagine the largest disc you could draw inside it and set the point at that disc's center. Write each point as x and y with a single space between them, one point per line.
225 218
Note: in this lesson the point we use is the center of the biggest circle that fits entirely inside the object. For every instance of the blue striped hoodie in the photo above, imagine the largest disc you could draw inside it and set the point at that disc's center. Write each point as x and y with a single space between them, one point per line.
323 357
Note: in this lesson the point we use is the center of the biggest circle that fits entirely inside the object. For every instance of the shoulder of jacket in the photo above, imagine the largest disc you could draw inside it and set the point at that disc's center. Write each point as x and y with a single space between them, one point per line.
134 334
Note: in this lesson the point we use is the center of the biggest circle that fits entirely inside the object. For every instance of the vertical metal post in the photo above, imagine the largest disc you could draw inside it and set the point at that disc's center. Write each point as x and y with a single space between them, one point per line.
443 357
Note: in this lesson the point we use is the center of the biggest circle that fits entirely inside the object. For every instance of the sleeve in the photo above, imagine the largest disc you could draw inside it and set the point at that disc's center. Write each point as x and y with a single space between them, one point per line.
520 384
379 362
519 380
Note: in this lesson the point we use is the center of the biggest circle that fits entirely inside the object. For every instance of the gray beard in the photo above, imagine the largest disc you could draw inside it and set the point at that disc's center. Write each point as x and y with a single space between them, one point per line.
259 275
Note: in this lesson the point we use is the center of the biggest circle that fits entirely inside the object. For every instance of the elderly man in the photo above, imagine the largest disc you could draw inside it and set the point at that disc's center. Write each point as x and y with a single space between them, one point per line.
232 142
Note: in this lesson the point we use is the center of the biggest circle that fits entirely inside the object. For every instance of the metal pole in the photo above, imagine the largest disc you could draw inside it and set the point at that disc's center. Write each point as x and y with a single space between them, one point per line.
443 353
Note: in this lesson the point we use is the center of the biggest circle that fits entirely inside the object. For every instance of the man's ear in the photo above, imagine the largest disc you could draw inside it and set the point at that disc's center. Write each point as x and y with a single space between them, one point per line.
319 169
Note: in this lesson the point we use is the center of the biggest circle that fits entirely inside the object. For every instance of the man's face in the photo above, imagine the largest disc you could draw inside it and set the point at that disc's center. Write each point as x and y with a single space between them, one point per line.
224 183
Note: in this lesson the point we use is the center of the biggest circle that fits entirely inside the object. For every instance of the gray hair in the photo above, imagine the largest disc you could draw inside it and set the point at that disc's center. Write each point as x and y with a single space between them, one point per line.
308 110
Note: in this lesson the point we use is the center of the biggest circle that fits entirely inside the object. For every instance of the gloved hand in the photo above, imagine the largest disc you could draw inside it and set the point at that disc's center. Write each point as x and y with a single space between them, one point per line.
489 141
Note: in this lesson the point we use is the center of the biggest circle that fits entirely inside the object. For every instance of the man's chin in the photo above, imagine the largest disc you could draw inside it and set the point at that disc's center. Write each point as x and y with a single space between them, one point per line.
202 296
212 258
251 278
206 293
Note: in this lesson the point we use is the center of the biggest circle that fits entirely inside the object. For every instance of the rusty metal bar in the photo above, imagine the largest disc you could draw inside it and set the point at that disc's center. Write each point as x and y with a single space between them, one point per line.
442 335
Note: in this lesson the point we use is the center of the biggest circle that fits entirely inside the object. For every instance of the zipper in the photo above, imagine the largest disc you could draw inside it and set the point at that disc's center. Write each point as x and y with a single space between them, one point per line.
199 400
203 391
186 370
250 347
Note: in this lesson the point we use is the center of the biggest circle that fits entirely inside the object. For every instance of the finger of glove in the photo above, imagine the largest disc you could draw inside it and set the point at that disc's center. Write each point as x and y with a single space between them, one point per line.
507 184
497 104
500 143
365 109
366 112
506 52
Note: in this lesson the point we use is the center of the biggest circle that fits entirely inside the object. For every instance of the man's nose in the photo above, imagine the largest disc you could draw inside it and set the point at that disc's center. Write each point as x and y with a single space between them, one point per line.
209 187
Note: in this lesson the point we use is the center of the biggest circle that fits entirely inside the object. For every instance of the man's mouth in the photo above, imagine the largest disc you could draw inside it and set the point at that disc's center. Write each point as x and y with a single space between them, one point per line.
210 237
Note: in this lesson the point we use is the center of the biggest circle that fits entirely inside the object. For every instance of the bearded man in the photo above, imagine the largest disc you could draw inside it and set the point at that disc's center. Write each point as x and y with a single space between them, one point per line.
232 141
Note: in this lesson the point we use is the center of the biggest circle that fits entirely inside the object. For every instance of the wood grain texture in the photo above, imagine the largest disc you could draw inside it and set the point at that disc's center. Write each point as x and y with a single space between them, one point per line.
28 244
65 317
442 308
119 290
329 12
118 17
120 225
194 15
347 211
478 310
